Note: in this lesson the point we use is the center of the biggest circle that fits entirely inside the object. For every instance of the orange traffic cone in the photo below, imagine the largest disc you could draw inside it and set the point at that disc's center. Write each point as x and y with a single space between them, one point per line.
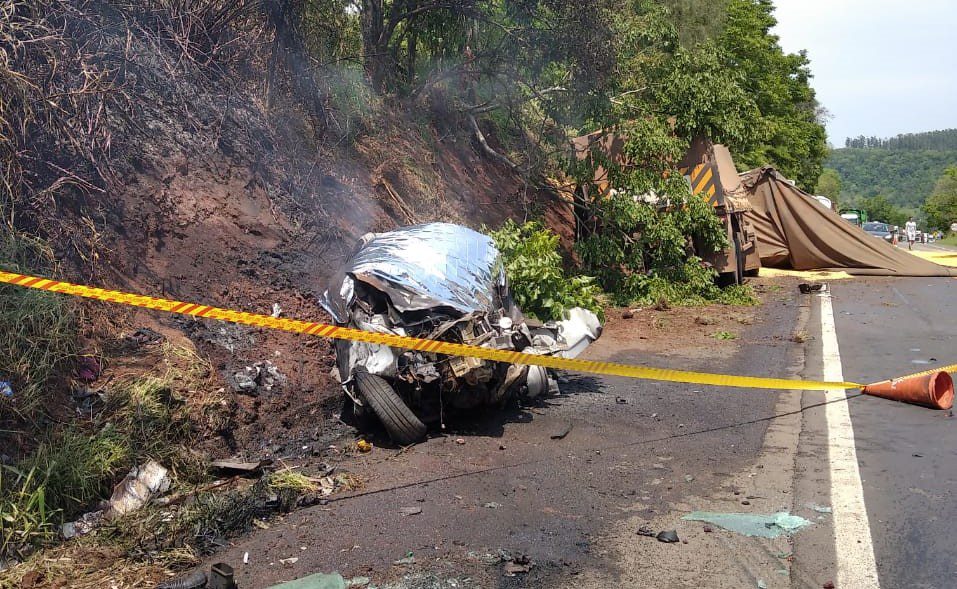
934 390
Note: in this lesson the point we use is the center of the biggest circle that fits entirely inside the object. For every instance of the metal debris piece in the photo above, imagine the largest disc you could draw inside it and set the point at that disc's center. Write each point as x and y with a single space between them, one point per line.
667 536
260 377
751 524
407 511
221 577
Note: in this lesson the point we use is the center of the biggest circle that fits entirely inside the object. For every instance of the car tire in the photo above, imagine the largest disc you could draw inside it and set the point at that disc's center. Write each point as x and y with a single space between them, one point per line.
398 419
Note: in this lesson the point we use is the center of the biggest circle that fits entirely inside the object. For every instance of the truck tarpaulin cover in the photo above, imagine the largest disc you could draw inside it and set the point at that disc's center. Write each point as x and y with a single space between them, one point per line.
796 231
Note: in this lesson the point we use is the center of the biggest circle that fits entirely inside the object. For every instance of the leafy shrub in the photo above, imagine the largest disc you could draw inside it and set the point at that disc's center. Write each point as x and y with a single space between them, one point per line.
537 278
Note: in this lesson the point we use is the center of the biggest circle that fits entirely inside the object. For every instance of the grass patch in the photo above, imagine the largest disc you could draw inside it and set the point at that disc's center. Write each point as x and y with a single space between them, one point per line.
949 240
724 335
78 464
39 328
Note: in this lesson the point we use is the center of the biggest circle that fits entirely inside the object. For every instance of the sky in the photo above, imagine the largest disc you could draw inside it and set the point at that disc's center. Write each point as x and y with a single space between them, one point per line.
881 67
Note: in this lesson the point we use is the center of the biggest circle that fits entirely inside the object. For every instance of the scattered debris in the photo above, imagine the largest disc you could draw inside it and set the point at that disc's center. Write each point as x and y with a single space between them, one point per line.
358 582
221 577
745 502
191 580
84 525
667 536
707 529
6 389
806 288
828 585
916 455
459 441
364 446
404 561
621 400
753 525
289 561
491 505
144 336
88 368
276 311
762 584
245 558
139 486
260 377
407 511
86 399
689 478
562 431
316 581
237 466
818 508
518 566
646 531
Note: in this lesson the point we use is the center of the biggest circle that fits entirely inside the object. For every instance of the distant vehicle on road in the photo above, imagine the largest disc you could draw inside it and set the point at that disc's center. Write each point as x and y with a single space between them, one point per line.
854 216
880 230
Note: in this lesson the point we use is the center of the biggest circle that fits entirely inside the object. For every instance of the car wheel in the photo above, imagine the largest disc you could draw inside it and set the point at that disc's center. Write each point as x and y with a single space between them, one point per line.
399 421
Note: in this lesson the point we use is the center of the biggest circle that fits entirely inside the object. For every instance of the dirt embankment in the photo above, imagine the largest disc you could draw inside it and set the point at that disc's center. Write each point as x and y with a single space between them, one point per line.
222 187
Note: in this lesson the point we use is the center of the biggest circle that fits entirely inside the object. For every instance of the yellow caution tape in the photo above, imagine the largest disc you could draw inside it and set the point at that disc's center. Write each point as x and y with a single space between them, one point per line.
411 343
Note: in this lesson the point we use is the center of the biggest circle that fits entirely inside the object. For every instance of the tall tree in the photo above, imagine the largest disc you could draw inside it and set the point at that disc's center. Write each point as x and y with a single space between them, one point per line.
829 185
941 207
789 131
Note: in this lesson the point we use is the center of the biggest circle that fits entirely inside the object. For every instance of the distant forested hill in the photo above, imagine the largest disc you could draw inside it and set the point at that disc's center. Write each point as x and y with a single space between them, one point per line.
902 168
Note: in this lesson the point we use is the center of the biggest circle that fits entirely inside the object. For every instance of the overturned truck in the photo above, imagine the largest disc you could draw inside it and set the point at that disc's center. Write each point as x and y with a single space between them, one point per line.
443 282
711 175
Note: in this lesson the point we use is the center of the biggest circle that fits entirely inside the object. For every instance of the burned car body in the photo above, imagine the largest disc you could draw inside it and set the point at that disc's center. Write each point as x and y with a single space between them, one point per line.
443 282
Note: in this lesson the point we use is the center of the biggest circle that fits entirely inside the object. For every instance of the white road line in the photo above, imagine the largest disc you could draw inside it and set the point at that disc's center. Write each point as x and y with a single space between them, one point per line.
856 566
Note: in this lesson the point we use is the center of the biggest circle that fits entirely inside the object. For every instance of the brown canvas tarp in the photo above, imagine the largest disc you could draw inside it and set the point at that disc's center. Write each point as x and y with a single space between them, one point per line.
795 231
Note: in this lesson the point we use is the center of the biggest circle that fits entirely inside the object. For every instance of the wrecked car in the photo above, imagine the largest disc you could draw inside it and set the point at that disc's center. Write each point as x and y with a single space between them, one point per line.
445 282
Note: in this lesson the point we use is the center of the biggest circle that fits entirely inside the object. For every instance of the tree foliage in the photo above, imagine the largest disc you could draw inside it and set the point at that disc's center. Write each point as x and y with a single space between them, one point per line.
905 177
941 207
943 140
537 278
829 185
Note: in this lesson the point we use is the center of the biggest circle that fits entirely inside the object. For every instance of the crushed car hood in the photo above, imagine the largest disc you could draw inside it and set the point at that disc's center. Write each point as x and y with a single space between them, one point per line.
421 267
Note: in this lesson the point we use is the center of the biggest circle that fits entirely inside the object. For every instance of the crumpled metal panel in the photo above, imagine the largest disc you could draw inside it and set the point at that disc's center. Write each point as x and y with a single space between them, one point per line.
422 267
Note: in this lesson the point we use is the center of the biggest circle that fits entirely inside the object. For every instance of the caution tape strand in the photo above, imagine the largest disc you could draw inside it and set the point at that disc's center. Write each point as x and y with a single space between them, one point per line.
423 345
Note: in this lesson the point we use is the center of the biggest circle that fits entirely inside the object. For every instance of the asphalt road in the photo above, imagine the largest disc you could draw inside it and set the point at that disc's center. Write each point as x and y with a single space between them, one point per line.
907 454
569 483
566 483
